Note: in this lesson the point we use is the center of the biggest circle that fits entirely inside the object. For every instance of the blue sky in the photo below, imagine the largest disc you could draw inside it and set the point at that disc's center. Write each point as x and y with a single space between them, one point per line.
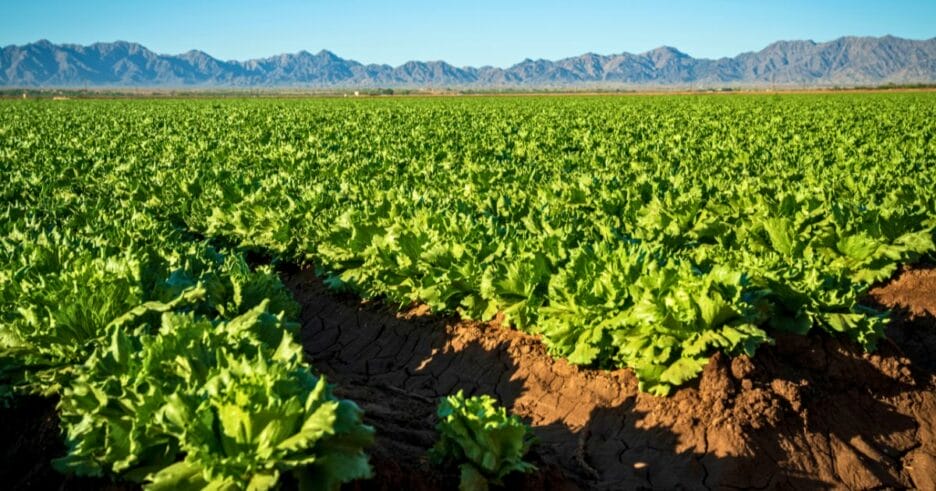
476 32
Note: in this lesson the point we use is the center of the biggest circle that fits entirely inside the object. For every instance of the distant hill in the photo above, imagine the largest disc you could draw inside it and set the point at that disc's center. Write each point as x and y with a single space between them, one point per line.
846 61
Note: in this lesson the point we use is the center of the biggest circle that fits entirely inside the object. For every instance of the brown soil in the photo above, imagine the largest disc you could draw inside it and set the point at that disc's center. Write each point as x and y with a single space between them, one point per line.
913 293
810 412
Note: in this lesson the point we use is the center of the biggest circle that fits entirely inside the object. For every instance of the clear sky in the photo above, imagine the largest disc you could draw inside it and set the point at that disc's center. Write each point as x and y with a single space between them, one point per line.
477 32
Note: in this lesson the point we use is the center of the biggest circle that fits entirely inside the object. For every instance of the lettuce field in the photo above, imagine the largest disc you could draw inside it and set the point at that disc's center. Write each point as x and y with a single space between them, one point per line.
150 252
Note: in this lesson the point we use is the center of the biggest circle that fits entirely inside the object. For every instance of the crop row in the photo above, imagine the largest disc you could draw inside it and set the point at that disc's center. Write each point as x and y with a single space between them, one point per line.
625 232
637 232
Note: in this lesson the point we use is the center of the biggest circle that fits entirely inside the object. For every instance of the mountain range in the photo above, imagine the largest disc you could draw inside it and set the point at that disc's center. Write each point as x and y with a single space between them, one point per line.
847 61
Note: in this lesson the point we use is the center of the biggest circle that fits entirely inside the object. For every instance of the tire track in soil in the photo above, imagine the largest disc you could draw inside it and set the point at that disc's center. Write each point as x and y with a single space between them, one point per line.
810 412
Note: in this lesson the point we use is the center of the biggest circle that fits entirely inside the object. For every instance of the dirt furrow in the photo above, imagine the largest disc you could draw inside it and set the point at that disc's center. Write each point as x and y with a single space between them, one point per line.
810 412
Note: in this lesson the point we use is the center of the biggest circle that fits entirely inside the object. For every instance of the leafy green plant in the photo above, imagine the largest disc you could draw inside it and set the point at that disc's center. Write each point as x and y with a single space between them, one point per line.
626 306
776 213
65 293
226 404
482 439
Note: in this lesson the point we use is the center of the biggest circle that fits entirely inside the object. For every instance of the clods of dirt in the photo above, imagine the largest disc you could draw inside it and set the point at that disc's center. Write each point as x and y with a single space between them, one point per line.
913 293
809 412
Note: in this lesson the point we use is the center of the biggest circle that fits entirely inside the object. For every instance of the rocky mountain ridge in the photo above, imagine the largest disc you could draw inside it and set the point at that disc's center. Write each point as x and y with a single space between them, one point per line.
847 61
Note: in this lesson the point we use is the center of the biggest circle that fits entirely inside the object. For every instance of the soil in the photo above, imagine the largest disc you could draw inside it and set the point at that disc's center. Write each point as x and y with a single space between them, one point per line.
29 440
809 412
913 294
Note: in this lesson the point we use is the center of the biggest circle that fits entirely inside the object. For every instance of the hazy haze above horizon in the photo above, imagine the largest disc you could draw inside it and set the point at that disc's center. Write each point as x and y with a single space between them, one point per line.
480 33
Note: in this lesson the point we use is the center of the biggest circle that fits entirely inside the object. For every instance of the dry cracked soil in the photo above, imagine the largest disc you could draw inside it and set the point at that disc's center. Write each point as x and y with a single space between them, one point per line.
807 413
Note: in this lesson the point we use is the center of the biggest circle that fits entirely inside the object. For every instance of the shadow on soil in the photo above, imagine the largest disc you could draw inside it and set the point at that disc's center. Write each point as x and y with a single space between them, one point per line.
811 412
29 440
